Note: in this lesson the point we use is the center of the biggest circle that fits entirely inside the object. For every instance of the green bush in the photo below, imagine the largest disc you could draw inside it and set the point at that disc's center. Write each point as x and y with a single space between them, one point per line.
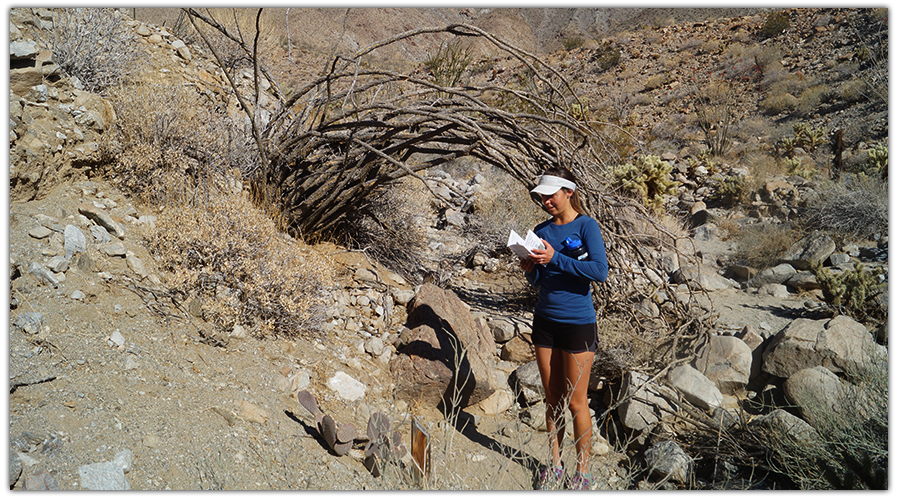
648 178
449 64
776 23
606 56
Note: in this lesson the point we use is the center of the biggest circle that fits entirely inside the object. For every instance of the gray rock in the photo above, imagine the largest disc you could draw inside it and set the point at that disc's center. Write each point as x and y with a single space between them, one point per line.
804 280
502 329
817 392
347 387
41 482
58 264
643 404
123 460
727 362
776 290
135 264
756 343
114 249
374 346
75 241
838 259
811 249
527 382
103 476
15 466
30 322
667 461
39 232
696 387
778 274
839 344
22 49
102 218
116 339
100 234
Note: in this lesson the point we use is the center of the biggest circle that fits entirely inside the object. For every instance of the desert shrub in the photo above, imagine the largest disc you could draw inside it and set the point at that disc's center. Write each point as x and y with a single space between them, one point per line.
854 206
230 255
776 23
606 56
810 99
776 104
449 64
853 90
656 81
94 45
731 191
762 166
717 108
573 42
166 131
648 179
851 292
850 447
388 228
763 245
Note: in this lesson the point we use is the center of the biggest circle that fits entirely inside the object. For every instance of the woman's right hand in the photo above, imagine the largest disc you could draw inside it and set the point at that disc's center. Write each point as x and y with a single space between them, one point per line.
527 265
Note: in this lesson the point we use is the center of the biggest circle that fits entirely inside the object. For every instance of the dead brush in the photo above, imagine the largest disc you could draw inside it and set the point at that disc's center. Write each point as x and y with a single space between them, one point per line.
229 253
169 135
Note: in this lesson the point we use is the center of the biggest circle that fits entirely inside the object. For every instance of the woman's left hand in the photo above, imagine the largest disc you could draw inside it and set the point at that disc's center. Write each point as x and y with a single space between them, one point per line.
542 256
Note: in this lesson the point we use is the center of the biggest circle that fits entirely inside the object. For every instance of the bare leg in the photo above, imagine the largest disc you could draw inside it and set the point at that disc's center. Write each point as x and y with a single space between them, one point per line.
550 366
577 368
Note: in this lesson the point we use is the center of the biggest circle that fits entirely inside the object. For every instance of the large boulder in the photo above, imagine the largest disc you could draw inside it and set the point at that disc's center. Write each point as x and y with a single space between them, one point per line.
642 403
817 392
448 357
840 344
727 362
812 249
696 387
780 425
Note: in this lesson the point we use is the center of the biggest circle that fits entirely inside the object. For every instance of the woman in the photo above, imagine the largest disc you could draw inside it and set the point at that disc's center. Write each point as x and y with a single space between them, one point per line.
565 322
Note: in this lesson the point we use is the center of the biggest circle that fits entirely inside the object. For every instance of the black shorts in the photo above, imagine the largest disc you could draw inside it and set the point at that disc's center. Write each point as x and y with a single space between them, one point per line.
565 336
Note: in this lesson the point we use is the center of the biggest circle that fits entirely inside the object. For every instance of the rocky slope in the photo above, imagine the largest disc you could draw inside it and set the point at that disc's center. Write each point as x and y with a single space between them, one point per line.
115 386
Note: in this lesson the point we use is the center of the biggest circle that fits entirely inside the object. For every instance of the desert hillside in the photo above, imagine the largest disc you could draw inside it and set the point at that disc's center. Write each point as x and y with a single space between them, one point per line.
239 272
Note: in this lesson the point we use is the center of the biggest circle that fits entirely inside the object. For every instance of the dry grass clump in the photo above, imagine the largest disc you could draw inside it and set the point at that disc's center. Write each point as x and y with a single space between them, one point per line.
168 130
230 254
856 206
762 245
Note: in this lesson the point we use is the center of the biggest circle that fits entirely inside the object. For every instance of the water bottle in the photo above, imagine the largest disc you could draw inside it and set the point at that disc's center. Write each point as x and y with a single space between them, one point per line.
575 248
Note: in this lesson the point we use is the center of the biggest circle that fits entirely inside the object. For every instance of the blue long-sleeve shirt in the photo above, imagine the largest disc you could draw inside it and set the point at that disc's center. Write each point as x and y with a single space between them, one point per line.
565 288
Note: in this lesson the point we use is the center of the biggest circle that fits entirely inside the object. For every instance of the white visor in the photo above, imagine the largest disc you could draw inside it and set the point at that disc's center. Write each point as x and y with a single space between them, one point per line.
550 184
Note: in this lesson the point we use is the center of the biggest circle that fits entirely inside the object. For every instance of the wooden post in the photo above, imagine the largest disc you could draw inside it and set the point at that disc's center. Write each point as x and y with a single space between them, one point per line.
421 453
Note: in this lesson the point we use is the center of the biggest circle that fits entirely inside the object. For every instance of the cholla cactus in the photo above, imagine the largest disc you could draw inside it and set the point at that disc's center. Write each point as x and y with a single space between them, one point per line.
850 291
647 178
